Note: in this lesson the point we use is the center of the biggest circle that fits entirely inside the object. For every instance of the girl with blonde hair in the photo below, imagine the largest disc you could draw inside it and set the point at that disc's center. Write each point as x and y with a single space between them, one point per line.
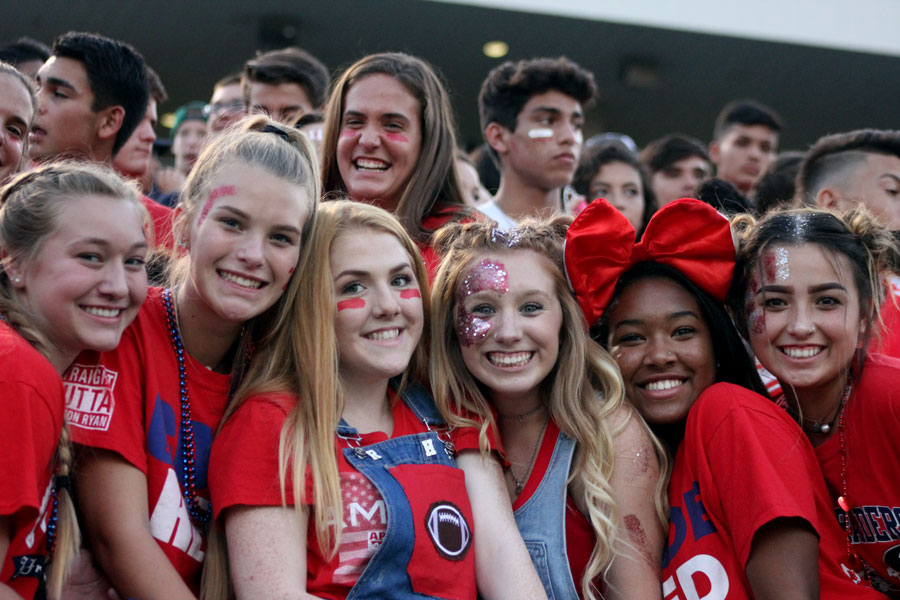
147 411
72 247
583 471
336 470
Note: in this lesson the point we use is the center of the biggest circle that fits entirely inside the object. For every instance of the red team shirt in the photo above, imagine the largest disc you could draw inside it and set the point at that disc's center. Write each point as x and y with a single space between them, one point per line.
743 462
872 437
244 471
31 420
128 402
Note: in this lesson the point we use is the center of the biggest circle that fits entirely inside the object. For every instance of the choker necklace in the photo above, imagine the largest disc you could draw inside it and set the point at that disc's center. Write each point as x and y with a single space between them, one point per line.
521 418
824 428
520 483
199 516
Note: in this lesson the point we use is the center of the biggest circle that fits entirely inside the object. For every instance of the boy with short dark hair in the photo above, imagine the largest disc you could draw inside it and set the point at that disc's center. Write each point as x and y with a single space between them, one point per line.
745 141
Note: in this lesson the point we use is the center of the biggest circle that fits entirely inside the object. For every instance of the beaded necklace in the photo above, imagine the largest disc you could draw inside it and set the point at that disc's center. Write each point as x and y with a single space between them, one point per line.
199 516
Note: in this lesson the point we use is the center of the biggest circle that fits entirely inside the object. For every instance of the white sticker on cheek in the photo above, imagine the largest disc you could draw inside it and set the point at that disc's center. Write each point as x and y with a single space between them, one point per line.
539 134
579 138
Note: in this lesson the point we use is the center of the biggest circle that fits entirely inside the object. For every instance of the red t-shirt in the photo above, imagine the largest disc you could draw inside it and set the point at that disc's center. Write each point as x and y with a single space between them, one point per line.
31 419
579 535
743 462
244 471
871 433
889 341
162 223
439 216
128 401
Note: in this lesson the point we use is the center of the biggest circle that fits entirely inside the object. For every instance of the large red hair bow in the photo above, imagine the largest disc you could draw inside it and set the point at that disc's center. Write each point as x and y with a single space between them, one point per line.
686 234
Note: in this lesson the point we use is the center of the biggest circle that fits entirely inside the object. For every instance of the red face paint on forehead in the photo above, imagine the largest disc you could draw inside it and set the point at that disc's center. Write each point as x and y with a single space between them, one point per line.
410 293
396 137
351 303
769 266
219 192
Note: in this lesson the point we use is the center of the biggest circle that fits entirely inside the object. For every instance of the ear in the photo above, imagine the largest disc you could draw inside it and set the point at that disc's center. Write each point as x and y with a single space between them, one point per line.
497 137
714 152
13 268
110 122
828 198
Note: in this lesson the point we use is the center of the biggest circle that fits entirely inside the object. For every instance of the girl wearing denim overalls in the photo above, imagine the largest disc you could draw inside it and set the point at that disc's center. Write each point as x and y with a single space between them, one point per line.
583 473
334 416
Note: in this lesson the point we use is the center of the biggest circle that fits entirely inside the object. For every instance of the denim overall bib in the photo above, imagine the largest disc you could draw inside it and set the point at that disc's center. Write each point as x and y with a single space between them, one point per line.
542 523
427 550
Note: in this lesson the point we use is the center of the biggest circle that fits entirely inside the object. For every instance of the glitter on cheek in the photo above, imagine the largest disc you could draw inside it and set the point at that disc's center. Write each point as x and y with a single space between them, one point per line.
351 303
757 321
470 329
410 294
782 265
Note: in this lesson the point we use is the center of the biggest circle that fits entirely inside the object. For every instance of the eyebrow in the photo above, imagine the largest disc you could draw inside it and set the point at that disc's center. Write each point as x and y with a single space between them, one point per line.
57 82
106 243
577 114
671 317
356 113
361 273
889 176
243 215
783 289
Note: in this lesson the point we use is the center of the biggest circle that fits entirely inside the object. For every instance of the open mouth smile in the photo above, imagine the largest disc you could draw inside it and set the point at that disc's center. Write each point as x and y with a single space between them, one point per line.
247 282
509 359
800 351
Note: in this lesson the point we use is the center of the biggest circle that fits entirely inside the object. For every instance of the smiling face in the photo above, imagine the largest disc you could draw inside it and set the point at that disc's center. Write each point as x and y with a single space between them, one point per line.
380 140
86 283
804 319
379 315
508 323
244 241
663 347
65 123
621 184
16 111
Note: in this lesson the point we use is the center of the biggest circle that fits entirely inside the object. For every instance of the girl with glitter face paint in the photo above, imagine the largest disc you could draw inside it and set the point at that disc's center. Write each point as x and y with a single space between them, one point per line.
73 246
583 473
145 413
749 512
810 296
333 425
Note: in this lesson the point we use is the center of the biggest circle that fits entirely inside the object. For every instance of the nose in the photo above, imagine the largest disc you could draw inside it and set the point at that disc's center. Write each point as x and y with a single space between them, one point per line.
250 250
660 351
385 302
148 134
801 324
369 137
507 328
569 133
115 281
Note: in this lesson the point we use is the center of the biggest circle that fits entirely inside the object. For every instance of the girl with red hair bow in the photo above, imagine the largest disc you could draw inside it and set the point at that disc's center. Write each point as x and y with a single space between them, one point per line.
749 513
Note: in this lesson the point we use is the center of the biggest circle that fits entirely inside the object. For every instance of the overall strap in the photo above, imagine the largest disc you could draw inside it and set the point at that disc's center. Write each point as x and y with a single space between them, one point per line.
420 401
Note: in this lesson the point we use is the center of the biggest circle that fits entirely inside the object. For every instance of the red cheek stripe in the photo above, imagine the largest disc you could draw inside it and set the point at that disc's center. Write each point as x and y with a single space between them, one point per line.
219 192
396 137
351 303
409 294
346 133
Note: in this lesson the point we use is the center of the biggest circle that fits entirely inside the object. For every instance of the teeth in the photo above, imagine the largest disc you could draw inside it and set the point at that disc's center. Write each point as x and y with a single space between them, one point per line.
370 165
804 352
516 359
241 281
665 384
102 312
383 336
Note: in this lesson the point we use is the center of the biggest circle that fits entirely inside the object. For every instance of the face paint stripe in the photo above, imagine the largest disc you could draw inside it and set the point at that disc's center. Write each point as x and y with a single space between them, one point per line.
219 192
351 303
540 133
409 294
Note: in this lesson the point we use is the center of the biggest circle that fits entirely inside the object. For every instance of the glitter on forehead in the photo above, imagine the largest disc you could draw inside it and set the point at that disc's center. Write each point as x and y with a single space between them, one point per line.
782 267
486 275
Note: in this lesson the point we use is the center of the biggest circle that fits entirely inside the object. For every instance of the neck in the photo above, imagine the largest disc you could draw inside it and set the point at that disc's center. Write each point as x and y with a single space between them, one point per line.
518 199
60 359
367 407
820 402
205 336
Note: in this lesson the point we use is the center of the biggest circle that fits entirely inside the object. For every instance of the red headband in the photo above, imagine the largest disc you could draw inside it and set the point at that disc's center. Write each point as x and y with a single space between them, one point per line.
687 234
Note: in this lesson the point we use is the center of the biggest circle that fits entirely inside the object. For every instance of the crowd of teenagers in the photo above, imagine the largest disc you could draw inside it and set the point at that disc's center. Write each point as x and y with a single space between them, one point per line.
328 354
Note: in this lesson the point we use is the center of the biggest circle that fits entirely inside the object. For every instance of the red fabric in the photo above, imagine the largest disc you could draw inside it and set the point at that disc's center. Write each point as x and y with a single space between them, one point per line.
743 462
31 418
244 471
871 431
687 234
889 340
580 537
162 223
439 216
127 401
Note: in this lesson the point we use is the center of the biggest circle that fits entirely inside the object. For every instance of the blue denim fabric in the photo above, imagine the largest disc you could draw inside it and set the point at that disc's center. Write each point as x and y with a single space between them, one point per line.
542 523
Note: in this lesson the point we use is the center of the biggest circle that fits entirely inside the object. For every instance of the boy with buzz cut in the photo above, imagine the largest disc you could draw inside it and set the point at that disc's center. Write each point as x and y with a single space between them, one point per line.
745 141
532 117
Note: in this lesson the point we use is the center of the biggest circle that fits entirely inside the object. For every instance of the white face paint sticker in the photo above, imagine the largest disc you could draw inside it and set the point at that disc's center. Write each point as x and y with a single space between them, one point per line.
782 266
540 133
579 138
